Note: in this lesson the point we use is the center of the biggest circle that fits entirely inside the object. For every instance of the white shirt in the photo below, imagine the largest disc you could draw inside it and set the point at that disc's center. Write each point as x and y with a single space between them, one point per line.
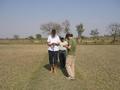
51 40
62 44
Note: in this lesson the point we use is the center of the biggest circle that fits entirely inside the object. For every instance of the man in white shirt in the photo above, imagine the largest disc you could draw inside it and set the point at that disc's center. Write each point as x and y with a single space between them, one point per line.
53 49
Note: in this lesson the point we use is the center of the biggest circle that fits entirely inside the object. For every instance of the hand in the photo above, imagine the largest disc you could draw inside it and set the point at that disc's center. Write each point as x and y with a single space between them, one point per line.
69 47
55 44
65 46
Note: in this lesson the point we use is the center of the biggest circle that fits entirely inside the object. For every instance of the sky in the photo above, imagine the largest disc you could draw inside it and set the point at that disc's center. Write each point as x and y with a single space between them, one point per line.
24 17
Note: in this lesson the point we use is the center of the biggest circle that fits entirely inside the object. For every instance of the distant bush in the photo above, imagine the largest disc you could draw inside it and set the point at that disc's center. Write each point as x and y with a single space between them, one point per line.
85 41
22 41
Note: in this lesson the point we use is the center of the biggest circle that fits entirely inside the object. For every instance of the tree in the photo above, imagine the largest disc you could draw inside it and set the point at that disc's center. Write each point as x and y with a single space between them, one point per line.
16 36
66 26
80 30
94 33
31 37
114 30
49 26
38 36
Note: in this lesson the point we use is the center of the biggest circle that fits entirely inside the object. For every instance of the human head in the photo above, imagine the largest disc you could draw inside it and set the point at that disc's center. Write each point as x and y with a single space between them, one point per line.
71 35
62 39
53 32
68 36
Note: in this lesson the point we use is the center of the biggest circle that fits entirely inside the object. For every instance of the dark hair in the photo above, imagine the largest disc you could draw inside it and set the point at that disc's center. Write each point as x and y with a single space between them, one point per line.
53 32
61 39
68 35
71 35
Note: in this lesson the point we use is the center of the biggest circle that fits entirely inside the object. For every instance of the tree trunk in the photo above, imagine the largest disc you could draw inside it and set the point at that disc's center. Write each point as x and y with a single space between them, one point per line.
114 37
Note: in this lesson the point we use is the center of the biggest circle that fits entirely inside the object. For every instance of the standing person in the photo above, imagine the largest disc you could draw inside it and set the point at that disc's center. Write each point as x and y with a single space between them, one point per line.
62 52
53 49
70 62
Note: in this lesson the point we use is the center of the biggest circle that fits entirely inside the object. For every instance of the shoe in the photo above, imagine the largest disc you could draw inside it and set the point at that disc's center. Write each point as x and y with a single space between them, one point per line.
69 78
72 78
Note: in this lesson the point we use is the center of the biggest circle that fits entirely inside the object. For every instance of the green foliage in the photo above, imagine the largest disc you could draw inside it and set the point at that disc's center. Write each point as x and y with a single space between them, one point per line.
94 33
31 37
114 30
16 36
80 29
66 26
38 36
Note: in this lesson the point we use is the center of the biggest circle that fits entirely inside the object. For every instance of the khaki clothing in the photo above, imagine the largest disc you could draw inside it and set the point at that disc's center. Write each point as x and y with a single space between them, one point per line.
70 65
70 61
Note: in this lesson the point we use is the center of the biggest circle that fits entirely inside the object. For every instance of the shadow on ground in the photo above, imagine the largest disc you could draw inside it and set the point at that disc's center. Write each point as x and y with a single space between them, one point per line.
63 70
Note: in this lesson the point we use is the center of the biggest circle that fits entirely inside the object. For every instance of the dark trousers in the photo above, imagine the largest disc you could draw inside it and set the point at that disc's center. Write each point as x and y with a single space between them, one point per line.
53 57
62 58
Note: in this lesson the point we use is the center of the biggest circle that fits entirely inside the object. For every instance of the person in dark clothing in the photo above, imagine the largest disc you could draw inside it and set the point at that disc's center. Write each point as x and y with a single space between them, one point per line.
62 52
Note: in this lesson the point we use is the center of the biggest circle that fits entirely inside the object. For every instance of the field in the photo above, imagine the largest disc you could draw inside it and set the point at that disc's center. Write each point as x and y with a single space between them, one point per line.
85 41
25 67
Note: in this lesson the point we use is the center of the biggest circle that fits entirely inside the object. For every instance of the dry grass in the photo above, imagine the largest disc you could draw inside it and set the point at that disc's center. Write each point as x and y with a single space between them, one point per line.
24 67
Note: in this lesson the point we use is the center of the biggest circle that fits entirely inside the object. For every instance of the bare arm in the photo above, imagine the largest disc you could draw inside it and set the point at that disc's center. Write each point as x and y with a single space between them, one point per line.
49 44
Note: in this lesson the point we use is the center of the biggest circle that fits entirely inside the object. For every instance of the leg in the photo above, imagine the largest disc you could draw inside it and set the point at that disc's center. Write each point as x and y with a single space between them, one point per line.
73 69
68 66
51 61
61 58
64 59
55 60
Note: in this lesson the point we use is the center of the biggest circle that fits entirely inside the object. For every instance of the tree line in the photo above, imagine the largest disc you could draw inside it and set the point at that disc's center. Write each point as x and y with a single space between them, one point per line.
114 29
37 36
64 28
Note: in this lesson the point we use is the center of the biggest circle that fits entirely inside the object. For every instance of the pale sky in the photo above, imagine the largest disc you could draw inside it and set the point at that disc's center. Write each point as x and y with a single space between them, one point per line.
24 17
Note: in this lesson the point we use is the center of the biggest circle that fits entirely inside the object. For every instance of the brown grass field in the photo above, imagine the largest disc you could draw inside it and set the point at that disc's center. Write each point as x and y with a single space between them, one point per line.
24 67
